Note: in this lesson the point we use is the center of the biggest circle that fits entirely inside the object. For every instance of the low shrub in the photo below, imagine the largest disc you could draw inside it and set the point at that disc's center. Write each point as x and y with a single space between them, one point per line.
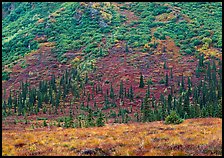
173 118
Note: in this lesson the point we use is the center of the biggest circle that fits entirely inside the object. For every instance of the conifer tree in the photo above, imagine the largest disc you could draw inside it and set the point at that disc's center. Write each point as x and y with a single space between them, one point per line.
125 93
186 103
209 72
15 103
197 72
10 101
189 85
171 73
111 92
90 119
86 79
164 65
141 84
169 103
100 119
148 92
121 90
213 65
182 84
166 83
131 94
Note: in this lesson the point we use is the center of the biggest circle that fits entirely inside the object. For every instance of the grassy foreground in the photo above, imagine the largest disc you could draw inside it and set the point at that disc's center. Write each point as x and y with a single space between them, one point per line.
192 137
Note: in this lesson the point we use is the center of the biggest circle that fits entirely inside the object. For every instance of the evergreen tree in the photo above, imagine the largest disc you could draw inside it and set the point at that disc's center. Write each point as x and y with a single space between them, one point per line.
209 72
197 72
126 118
45 123
171 73
141 84
101 52
121 90
100 119
15 103
164 65
182 84
174 104
146 111
10 101
90 119
171 91
148 92
187 104
169 103
214 79
189 85
213 65
142 106
111 92
137 117
201 60
131 94
86 79
166 83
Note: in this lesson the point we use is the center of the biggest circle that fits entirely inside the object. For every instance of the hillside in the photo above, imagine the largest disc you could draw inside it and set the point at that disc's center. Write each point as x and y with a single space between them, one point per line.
194 137
93 64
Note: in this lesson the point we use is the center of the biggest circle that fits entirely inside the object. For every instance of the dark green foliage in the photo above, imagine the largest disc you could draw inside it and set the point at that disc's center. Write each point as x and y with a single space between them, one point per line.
173 118
162 81
167 80
100 120
169 103
90 119
18 39
131 94
5 75
121 94
164 65
148 92
44 123
141 83
171 73
111 92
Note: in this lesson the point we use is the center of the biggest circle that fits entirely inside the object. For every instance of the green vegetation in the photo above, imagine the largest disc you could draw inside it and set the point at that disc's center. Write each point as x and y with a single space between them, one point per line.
90 32
141 83
173 118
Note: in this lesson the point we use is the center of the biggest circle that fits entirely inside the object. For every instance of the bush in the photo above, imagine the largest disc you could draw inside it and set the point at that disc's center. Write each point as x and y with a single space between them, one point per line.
162 81
5 75
173 118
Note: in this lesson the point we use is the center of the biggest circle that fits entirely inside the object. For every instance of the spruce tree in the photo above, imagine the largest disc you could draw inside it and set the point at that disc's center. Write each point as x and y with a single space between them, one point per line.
182 84
197 72
90 119
10 101
166 83
169 103
186 104
121 90
141 84
213 65
131 94
100 119
164 65
148 92
171 73
209 72
111 92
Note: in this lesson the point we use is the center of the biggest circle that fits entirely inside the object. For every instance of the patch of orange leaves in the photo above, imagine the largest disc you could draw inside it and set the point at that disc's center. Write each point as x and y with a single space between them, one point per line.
149 139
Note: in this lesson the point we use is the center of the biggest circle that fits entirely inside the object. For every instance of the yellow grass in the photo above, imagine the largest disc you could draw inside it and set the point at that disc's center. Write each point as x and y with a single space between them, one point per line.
148 139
